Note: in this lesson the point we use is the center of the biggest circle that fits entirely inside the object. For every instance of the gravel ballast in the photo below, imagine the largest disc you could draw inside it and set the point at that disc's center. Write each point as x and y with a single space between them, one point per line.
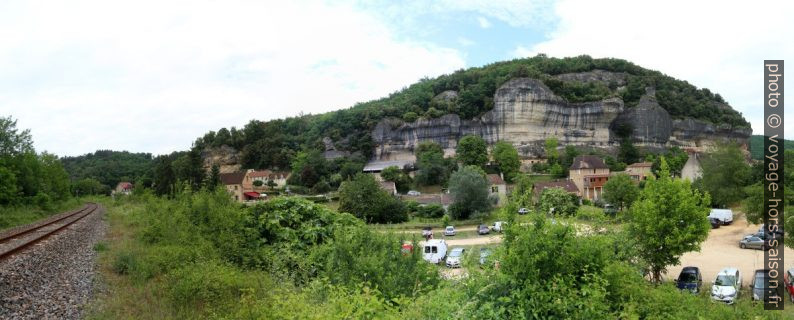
53 279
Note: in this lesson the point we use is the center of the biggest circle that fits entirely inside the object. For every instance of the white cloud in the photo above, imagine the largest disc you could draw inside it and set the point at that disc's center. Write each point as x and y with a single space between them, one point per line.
154 75
466 42
484 23
720 46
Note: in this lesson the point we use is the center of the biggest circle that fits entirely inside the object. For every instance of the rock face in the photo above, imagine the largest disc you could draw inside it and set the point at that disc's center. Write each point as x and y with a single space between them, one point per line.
526 113
227 159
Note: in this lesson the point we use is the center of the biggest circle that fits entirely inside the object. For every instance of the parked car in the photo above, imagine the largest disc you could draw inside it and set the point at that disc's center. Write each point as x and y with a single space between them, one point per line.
455 258
759 284
724 215
727 285
762 230
414 193
715 223
483 229
689 279
427 233
484 254
449 231
523 211
610 210
498 226
434 250
752 242
789 279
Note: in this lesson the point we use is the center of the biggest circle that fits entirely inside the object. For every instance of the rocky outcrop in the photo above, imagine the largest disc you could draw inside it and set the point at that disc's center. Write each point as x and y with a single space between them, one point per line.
227 159
526 113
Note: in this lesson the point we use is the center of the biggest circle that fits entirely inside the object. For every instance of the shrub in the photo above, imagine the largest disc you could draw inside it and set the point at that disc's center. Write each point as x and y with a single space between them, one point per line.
124 263
431 211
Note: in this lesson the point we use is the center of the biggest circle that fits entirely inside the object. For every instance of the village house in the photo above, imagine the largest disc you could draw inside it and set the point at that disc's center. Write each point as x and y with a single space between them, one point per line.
234 184
497 187
639 171
278 177
589 174
124 188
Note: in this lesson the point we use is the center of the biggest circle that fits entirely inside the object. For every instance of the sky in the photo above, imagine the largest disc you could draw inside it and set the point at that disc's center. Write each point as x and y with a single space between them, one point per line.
154 75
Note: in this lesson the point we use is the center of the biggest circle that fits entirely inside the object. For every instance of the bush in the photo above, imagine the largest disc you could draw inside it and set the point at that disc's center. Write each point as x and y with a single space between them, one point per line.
590 213
431 211
412 205
124 263
210 283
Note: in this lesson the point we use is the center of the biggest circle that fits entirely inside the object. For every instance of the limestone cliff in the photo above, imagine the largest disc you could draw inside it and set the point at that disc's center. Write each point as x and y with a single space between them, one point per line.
526 113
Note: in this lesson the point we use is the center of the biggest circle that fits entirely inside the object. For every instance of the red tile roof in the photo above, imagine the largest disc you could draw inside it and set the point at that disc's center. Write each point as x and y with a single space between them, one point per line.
640 165
232 178
495 179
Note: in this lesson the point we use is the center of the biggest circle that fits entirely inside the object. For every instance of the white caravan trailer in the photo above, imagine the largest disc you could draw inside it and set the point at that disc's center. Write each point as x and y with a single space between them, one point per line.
434 250
725 216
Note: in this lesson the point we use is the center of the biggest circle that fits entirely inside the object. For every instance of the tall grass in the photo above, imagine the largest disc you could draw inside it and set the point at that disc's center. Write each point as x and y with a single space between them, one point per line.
19 215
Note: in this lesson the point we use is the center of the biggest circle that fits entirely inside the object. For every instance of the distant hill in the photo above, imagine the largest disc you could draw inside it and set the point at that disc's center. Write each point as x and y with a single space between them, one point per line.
109 167
757 146
469 93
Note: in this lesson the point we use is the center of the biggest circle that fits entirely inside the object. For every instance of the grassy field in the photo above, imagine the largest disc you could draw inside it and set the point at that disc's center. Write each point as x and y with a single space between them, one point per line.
15 216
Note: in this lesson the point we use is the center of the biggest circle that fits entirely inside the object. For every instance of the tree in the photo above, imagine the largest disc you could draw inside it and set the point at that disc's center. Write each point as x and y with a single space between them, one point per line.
567 158
89 186
12 141
394 174
8 186
469 189
628 153
433 169
725 174
668 220
621 191
365 199
308 168
472 151
214 177
506 157
551 150
557 201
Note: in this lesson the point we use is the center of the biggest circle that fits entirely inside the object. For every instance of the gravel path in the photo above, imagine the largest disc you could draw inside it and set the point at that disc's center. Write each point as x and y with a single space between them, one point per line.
53 279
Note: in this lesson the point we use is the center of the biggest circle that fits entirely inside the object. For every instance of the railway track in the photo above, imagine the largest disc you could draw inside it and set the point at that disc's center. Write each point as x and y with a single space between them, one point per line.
16 240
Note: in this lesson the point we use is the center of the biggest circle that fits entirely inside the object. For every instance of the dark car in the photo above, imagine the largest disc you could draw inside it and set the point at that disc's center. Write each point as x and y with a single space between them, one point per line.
689 279
759 284
715 223
483 229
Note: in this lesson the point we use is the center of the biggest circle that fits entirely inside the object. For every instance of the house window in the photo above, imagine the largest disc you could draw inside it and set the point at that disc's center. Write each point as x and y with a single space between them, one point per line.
236 198
235 188
494 189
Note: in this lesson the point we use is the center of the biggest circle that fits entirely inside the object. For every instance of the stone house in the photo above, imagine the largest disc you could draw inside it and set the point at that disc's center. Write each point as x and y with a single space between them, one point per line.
639 171
278 177
389 186
234 184
589 174
497 187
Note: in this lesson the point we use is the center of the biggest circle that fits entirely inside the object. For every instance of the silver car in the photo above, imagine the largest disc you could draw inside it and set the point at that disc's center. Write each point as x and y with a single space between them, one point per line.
455 258
449 231
752 242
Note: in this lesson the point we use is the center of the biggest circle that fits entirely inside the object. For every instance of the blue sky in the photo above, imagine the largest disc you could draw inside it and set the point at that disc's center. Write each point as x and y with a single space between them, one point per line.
153 75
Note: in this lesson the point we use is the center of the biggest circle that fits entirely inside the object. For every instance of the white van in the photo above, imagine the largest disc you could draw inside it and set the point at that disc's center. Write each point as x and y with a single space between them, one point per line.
725 216
434 250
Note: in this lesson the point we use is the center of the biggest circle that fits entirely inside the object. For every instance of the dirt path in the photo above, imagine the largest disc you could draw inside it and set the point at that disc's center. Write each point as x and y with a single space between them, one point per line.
721 250
435 230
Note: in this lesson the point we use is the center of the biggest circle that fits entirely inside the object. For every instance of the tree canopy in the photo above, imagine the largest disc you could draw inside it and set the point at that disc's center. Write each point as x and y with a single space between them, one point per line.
472 151
506 157
469 189
365 199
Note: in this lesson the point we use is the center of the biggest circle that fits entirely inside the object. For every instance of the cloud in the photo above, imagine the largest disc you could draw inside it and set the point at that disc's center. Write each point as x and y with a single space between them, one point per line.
466 42
721 47
484 23
154 75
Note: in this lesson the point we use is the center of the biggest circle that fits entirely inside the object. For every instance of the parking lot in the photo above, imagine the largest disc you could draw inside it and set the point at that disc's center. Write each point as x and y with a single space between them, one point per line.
721 250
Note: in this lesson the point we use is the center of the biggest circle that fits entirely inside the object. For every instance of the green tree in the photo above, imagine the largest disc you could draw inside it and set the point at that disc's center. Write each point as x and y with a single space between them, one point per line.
557 201
394 174
469 189
668 220
506 157
365 199
567 157
433 169
308 168
8 186
472 151
214 177
753 205
620 190
13 141
89 186
552 156
628 153
725 174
